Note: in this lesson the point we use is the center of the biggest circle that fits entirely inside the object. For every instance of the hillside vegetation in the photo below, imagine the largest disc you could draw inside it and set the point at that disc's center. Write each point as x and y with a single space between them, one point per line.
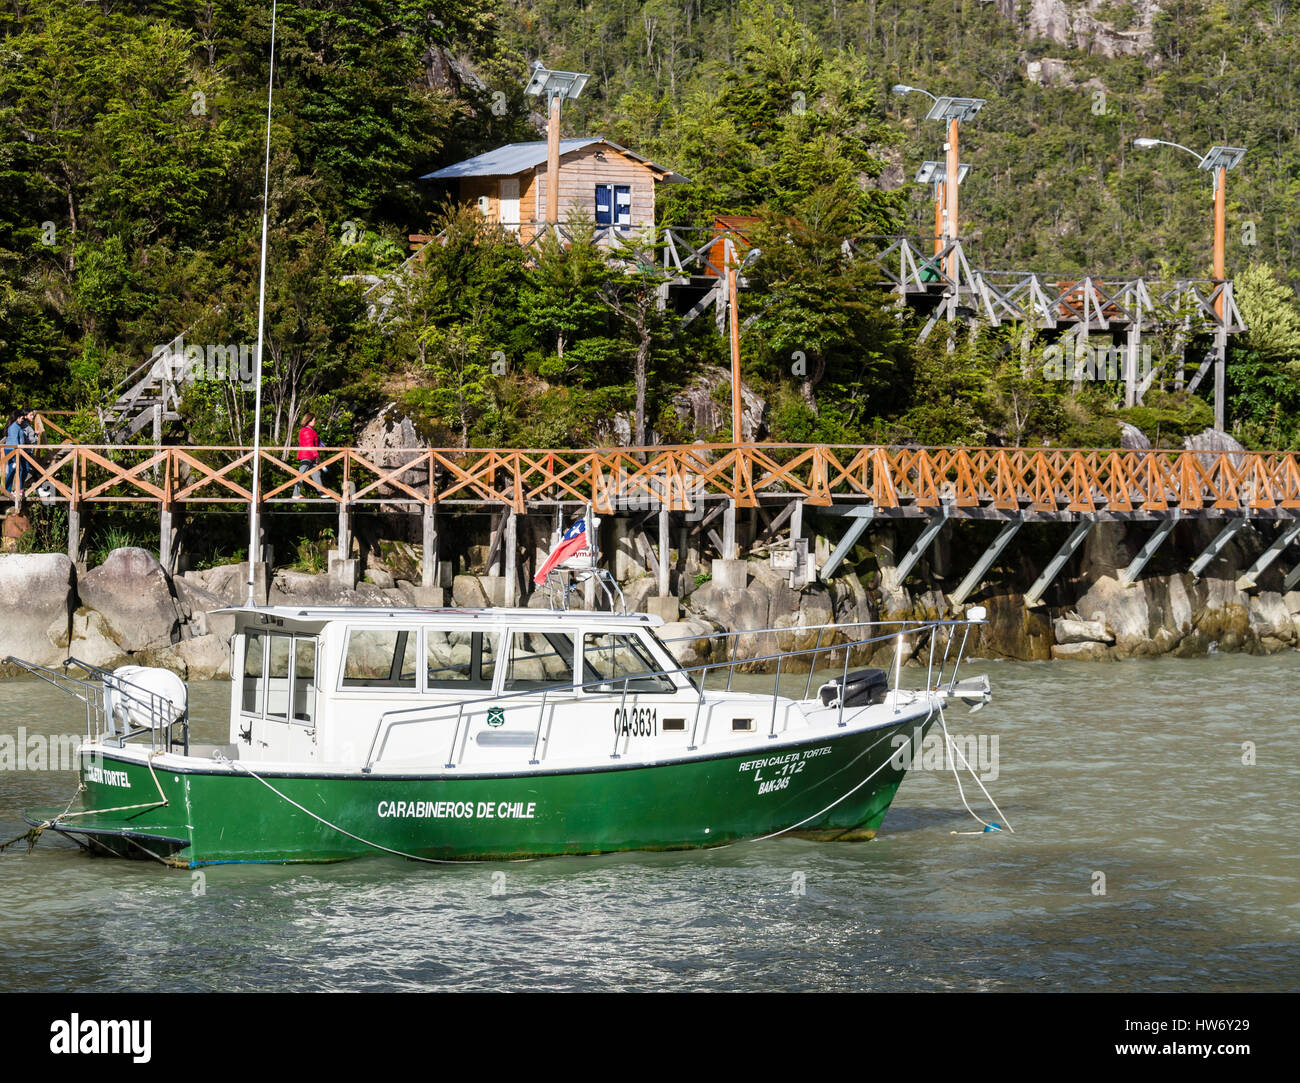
131 155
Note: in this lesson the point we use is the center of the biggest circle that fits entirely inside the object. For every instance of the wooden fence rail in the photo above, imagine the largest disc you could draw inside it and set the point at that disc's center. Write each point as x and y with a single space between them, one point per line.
967 480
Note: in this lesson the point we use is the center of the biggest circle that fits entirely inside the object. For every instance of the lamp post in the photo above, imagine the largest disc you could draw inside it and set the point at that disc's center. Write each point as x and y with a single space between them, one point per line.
555 86
936 174
952 111
1216 161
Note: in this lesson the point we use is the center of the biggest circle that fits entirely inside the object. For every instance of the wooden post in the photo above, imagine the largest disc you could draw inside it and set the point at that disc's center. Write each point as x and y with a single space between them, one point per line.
74 532
1220 237
737 410
553 162
165 538
510 596
495 539
729 531
950 188
1131 376
665 525
429 562
345 529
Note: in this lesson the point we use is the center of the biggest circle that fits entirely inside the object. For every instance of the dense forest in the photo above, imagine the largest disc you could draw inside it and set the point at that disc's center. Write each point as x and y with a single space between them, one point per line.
131 157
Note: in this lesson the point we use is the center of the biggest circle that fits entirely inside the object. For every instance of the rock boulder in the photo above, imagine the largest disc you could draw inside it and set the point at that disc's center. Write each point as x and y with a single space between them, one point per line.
36 593
134 595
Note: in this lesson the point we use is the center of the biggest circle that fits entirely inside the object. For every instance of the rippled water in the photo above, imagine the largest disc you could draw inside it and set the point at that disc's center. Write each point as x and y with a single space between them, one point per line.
1133 770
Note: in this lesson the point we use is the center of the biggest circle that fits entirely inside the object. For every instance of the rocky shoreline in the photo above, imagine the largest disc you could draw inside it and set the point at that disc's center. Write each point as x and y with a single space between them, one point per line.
129 610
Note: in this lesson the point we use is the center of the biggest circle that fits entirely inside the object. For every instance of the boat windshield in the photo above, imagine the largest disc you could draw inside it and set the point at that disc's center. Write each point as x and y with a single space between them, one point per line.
539 660
614 658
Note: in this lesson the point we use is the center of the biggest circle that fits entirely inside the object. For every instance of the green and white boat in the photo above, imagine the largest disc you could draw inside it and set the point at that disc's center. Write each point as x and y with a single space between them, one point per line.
460 735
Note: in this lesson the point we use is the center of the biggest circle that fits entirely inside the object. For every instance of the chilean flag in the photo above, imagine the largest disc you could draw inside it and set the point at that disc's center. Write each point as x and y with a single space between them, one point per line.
572 541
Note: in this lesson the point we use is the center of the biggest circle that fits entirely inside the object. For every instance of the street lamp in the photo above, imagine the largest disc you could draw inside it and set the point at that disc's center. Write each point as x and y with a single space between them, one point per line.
555 86
733 273
1217 160
953 111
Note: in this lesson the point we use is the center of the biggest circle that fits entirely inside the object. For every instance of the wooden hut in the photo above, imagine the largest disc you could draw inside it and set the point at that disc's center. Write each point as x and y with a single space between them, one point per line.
607 184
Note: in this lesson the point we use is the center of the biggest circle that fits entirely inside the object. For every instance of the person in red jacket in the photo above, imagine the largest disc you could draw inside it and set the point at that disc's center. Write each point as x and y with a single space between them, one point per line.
308 453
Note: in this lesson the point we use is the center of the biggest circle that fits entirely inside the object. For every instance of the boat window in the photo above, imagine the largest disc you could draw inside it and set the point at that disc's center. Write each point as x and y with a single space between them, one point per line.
539 660
613 658
252 701
279 650
459 659
304 679
380 658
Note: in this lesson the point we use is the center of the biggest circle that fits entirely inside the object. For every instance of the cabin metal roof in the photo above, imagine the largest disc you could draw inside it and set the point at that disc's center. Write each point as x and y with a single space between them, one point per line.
516 158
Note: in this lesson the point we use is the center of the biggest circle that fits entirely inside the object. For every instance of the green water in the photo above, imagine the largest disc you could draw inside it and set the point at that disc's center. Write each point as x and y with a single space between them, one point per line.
1132 770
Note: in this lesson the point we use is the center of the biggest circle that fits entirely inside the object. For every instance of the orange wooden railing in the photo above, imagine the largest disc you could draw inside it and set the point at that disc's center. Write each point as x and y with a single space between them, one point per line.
1029 479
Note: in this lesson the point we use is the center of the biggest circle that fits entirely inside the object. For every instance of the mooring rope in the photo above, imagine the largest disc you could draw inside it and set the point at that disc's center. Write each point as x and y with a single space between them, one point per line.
33 834
951 745
335 827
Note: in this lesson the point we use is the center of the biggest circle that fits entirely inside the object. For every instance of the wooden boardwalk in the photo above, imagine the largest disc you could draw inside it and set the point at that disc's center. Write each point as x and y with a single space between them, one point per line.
1039 483
702 484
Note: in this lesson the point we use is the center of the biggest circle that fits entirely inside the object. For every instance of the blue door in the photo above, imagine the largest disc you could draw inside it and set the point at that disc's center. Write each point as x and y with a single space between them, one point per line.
613 206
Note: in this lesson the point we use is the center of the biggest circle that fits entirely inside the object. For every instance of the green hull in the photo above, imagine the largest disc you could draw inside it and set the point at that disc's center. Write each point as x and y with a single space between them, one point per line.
816 788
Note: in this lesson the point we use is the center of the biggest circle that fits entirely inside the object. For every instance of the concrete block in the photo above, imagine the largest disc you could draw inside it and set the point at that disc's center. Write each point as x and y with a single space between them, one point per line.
730 574
428 597
344 571
667 608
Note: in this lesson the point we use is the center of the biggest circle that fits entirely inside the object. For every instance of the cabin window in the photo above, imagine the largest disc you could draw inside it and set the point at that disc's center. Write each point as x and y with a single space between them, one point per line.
279 655
269 659
252 701
614 205
539 660
380 658
613 659
304 680
459 659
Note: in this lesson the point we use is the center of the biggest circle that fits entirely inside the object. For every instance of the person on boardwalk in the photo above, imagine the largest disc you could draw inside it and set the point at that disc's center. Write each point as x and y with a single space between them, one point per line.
20 432
308 453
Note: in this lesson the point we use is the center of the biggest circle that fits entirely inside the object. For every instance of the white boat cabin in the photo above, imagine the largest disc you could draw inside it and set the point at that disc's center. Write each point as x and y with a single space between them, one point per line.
495 689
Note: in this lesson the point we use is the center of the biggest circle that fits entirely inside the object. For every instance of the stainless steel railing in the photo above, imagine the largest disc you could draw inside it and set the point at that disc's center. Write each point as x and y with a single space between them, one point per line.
898 631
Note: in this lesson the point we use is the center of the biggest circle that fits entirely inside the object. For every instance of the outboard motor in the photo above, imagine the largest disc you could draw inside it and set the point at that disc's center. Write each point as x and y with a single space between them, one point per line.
862 688
144 697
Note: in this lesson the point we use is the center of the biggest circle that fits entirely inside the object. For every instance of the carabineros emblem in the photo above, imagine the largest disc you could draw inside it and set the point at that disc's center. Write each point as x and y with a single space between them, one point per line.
496 716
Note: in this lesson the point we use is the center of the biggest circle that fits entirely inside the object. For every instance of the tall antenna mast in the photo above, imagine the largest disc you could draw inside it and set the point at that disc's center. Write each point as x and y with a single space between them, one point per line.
253 547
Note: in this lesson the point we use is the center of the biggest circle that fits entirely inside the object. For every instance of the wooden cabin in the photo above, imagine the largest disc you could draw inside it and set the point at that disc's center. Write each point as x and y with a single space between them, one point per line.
608 184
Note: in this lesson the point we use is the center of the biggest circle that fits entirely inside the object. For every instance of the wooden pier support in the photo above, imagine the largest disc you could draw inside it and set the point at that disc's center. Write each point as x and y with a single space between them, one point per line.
429 536
74 533
1292 578
861 516
345 531
1132 355
1217 546
1289 533
665 549
510 558
1034 595
975 577
166 537
1129 575
895 577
